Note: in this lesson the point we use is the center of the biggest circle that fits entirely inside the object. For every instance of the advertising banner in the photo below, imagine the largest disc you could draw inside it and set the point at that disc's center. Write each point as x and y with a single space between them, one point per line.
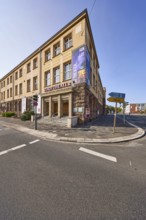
81 65
23 104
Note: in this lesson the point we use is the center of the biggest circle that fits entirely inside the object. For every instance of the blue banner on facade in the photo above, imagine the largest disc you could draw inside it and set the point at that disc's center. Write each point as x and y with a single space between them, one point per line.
81 65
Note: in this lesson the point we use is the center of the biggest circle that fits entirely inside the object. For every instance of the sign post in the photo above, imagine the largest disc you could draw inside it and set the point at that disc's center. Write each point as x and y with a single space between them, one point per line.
115 115
117 98
35 103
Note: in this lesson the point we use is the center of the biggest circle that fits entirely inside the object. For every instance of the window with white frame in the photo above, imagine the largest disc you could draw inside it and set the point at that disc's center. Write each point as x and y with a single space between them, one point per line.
67 71
56 75
67 42
56 49
16 75
47 78
47 55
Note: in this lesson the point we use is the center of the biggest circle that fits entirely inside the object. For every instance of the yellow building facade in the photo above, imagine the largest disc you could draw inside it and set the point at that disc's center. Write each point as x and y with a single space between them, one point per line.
63 72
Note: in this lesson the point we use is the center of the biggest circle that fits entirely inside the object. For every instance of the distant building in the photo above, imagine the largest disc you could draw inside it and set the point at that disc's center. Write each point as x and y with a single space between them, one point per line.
134 108
63 72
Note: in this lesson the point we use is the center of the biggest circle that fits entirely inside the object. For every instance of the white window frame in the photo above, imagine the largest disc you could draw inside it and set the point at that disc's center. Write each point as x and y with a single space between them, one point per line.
56 75
48 78
67 71
57 49
68 42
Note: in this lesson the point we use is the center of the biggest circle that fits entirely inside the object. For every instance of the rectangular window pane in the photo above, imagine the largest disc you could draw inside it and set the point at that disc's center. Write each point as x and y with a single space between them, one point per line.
47 78
67 69
57 75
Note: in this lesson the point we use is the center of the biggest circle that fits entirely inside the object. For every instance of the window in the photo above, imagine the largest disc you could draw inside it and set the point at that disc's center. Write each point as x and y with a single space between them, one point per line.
57 49
67 42
10 92
1 96
28 68
20 73
28 85
67 71
10 79
7 81
16 75
94 83
20 88
4 95
4 83
35 63
35 83
16 90
47 78
47 55
56 75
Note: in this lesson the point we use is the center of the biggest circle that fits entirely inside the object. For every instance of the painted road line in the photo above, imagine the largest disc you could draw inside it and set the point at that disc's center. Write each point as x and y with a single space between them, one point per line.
12 149
32 142
107 157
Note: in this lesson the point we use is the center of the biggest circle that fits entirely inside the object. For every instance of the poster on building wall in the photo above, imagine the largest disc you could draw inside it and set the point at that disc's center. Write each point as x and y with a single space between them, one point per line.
81 65
39 105
23 104
87 67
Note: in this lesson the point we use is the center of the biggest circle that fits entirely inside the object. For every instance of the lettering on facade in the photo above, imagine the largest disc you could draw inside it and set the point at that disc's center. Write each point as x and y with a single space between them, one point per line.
67 84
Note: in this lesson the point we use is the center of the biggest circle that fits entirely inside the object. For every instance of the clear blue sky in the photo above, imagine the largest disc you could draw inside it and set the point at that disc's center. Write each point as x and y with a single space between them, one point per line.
118 26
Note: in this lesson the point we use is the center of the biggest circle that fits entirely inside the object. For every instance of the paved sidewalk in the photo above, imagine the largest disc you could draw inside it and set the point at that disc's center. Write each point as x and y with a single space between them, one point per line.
98 131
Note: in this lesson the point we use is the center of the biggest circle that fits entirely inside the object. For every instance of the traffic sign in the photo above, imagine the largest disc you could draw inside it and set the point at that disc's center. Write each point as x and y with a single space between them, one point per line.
117 95
113 99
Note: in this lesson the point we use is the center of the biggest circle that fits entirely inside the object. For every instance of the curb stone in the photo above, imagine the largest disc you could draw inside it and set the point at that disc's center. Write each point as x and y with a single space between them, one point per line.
54 137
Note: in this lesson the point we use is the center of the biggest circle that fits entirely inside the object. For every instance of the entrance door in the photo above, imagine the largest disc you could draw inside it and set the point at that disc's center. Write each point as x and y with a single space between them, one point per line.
55 109
65 109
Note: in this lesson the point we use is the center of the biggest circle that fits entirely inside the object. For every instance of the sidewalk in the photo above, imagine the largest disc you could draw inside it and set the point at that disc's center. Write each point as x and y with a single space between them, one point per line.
98 131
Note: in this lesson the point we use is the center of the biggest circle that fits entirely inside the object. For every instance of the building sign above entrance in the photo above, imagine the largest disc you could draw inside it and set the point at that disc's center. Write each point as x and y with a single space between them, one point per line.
58 86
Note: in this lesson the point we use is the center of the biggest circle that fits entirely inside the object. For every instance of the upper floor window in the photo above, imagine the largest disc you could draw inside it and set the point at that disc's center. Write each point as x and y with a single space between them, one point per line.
56 75
4 95
35 83
67 42
20 73
35 63
2 85
10 92
47 78
28 67
16 90
47 55
7 81
11 79
67 71
16 75
56 49
28 85
20 89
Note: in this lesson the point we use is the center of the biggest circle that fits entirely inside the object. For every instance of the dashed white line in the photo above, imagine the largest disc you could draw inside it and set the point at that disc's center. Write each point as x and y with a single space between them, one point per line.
107 157
35 141
12 149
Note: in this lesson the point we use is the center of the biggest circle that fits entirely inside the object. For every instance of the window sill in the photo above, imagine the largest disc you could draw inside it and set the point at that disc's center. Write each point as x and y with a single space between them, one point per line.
67 48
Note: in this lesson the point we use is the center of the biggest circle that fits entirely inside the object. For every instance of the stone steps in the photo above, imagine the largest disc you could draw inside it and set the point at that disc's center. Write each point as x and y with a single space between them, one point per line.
54 121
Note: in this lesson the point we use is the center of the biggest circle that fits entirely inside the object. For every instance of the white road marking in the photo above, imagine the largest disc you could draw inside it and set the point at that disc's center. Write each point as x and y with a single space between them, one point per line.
107 157
12 149
32 142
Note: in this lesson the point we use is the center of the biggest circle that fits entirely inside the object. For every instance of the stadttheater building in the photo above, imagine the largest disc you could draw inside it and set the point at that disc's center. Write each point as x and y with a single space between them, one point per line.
63 72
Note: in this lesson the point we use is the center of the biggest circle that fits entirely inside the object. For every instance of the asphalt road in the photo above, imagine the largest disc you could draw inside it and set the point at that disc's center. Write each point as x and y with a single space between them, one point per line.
51 181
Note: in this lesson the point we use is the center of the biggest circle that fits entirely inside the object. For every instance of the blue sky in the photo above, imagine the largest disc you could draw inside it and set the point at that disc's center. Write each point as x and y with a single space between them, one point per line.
118 26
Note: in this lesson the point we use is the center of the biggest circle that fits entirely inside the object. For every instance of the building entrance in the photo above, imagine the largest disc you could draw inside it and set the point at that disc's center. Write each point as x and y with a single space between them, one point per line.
65 108
55 113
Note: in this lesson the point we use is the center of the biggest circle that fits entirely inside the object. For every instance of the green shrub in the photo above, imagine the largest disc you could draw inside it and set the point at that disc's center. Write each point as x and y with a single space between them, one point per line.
8 114
26 115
